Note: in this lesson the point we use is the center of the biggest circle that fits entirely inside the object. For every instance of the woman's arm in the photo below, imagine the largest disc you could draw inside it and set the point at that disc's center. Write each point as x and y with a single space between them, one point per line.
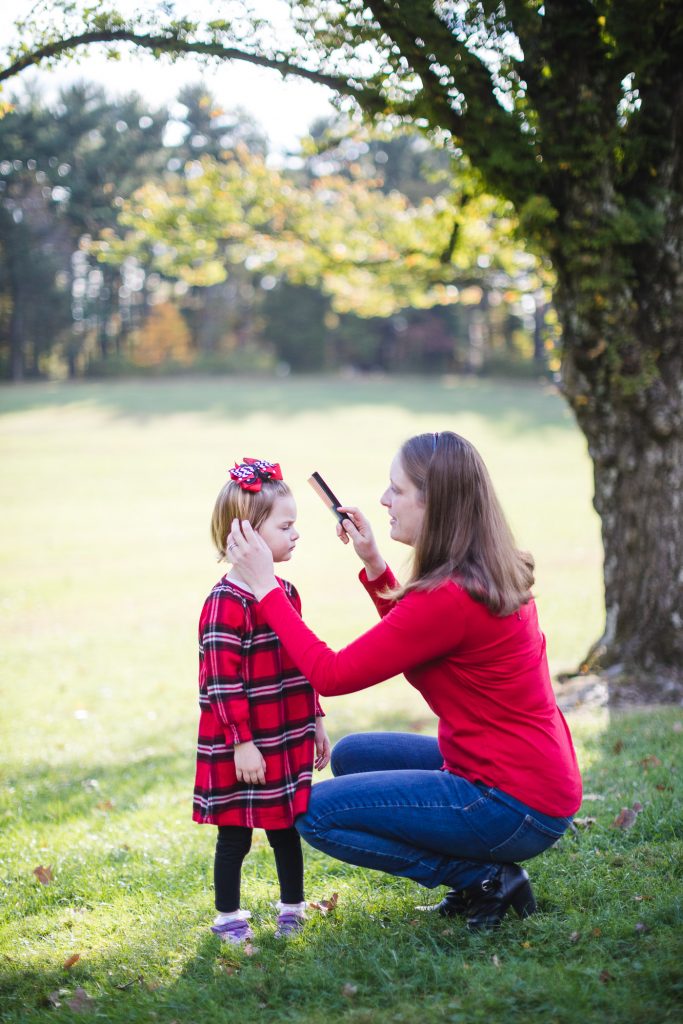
422 627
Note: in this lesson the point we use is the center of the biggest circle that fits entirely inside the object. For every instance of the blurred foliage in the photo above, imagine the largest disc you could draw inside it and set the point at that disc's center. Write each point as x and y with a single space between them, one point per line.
125 252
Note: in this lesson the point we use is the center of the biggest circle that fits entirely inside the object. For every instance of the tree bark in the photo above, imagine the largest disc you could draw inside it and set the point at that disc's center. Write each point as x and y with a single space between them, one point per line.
635 439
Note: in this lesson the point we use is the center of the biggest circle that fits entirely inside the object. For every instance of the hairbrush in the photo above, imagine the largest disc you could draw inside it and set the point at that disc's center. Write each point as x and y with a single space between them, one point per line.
327 496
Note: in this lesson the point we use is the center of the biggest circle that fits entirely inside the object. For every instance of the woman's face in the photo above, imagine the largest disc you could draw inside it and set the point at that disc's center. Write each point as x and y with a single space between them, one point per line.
404 504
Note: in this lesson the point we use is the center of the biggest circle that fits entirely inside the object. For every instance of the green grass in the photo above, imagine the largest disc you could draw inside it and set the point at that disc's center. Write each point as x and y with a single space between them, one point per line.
105 494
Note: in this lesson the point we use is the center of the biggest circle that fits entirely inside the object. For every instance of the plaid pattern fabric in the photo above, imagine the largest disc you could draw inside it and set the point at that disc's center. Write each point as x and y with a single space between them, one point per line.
249 689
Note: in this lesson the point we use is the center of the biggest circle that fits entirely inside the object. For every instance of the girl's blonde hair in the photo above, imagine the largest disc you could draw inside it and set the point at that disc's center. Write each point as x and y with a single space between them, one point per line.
233 502
464 534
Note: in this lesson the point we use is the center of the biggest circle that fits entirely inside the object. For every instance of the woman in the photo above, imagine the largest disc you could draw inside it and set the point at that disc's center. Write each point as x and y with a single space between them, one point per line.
501 782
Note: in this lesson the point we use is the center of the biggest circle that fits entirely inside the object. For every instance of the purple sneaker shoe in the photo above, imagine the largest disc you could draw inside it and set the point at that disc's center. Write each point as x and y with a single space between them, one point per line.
288 924
234 932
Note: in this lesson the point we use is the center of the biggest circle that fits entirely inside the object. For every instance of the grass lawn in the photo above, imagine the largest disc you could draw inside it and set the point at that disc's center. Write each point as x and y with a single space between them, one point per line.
105 495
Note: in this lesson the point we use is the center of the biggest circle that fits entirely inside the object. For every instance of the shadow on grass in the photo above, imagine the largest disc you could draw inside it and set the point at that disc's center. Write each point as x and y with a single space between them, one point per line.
525 405
74 791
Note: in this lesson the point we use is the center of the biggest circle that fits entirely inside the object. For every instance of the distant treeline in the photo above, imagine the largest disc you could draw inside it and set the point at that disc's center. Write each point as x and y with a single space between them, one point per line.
68 171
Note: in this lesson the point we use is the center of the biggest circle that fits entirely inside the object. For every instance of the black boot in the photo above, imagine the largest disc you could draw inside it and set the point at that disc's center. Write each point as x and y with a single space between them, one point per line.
451 905
488 901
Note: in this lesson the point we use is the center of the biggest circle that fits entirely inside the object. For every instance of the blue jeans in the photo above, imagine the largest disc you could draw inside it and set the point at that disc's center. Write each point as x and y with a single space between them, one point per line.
390 807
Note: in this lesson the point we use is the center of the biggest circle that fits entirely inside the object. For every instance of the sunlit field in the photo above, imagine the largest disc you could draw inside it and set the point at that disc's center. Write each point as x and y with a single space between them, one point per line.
106 494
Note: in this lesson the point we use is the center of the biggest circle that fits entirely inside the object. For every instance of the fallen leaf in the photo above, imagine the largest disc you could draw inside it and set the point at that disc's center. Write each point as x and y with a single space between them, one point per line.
526 945
90 784
585 822
446 931
349 990
596 933
639 899
606 977
495 961
250 950
81 1001
642 928
325 906
228 969
651 761
44 875
575 936
105 806
618 747
70 961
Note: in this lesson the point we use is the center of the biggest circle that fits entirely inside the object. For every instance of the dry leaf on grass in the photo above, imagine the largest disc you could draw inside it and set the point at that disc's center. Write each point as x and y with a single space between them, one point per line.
44 875
495 961
606 977
81 1001
325 906
575 936
651 761
105 806
349 990
585 822
71 960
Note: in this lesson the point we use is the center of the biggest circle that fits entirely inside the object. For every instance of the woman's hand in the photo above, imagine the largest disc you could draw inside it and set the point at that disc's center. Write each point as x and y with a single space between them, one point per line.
322 745
252 558
356 527
250 765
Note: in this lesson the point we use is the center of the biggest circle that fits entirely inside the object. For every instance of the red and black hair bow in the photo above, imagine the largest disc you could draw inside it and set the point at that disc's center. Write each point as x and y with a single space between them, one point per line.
251 473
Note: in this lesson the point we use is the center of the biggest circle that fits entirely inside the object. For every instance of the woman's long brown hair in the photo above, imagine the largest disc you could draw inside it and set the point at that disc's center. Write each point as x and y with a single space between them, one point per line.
464 534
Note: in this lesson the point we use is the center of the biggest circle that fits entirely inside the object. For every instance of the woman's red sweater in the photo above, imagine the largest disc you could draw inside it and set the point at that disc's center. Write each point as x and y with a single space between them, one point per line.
486 679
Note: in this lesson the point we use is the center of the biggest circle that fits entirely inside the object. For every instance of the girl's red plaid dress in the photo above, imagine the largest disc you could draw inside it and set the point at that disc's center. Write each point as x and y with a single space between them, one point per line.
249 689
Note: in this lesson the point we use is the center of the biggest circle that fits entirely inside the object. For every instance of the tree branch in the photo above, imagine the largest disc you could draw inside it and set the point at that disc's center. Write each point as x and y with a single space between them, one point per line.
174 44
489 134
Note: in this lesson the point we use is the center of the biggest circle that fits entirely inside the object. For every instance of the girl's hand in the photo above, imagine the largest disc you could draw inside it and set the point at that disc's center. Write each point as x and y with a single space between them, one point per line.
252 558
356 527
322 745
250 765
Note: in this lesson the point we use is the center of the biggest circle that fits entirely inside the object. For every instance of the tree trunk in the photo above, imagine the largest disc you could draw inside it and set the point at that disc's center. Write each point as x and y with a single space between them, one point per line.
635 438
16 336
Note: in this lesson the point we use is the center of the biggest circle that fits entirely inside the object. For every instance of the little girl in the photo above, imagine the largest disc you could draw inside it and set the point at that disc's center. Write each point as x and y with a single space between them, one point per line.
260 720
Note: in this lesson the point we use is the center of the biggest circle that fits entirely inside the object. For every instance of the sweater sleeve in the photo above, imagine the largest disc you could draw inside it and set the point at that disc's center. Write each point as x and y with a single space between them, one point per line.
376 586
296 601
220 636
423 626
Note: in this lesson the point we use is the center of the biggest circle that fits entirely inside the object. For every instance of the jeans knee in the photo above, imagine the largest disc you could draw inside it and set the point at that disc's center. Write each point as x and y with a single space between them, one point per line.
305 826
339 761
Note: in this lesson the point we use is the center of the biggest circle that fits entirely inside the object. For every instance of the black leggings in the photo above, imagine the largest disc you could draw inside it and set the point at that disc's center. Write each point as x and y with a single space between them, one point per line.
232 846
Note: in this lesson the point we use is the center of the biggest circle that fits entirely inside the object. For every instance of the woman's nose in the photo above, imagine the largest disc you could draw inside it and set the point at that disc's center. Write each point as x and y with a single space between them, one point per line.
384 500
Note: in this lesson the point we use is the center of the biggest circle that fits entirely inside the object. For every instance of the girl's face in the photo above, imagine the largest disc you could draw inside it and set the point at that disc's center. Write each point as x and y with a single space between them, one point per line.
278 530
404 504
